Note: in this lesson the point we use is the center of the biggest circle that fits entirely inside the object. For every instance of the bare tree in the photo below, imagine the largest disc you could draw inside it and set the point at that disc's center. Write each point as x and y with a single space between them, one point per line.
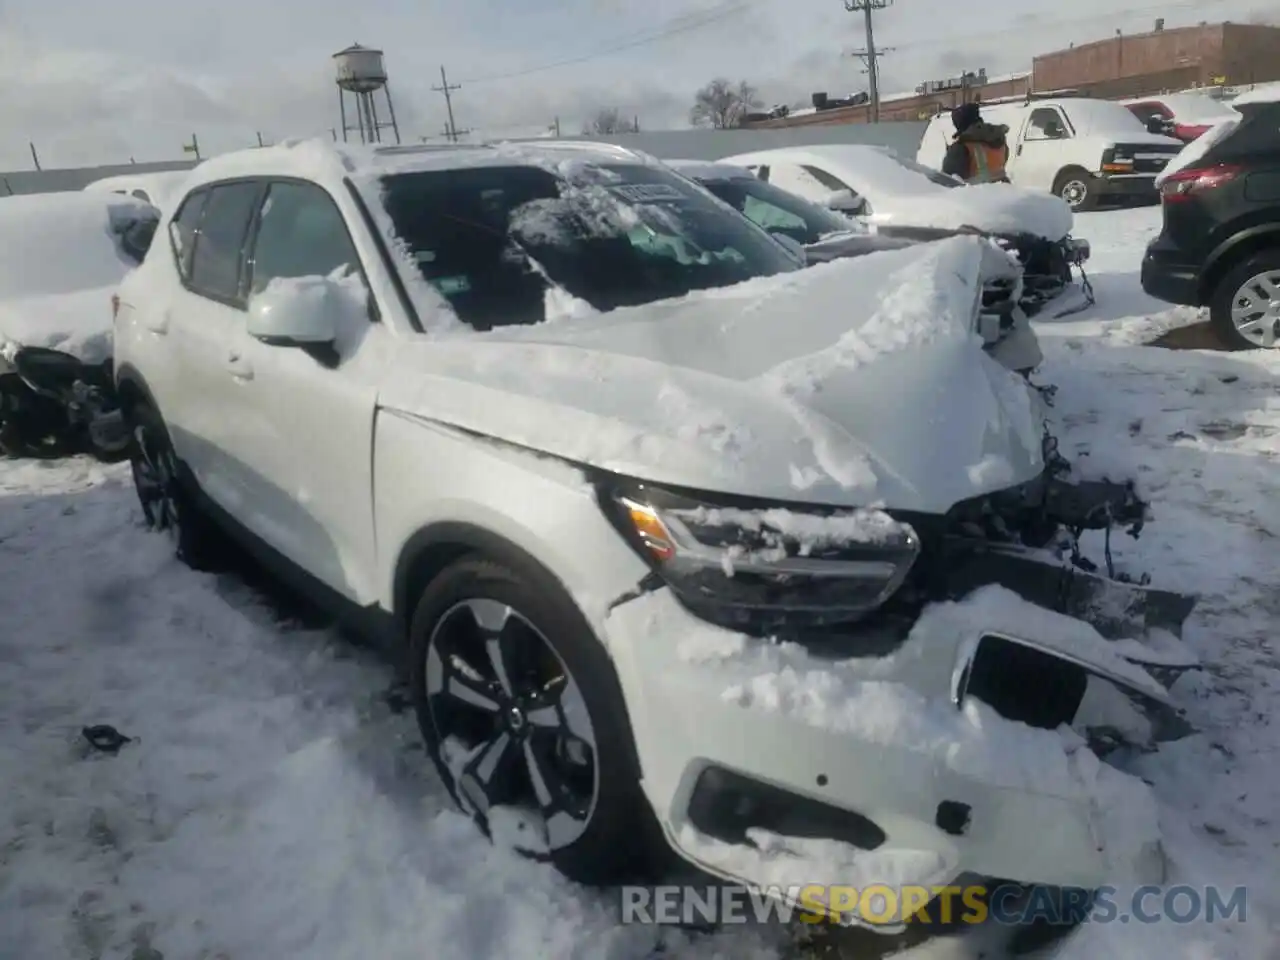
721 104
609 121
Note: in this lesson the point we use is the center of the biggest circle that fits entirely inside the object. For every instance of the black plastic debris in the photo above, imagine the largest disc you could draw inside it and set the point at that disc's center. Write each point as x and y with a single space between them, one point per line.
105 738
397 699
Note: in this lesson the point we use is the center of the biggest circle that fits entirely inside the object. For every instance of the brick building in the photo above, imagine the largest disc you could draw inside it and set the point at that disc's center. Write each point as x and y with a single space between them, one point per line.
1164 60
1121 66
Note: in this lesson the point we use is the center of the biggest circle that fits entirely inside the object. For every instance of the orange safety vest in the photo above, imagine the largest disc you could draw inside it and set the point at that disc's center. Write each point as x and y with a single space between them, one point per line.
987 162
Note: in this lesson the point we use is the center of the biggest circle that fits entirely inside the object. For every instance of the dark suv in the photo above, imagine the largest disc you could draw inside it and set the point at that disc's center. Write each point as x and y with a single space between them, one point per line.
1220 244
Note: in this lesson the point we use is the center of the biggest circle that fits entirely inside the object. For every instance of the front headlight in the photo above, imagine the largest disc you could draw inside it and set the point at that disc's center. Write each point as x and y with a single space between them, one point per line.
738 563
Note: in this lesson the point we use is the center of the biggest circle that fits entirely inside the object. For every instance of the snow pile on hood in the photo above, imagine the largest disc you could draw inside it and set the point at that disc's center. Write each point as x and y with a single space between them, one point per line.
770 388
1195 151
1262 93
1195 108
60 261
999 208
78 323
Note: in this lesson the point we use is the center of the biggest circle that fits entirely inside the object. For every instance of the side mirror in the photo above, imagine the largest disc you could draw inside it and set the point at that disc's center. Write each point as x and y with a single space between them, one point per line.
1157 124
794 246
301 311
846 201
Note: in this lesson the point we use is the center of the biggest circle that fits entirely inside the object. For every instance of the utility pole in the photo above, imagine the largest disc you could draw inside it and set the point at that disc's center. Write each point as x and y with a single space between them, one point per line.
870 55
451 131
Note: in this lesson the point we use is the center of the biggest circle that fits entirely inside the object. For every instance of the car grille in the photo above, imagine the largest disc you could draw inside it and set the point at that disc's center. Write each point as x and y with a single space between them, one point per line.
1147 159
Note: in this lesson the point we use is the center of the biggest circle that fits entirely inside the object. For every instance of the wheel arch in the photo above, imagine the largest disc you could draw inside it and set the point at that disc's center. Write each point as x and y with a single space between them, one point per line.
430 550
1062 173
1232 251
132 389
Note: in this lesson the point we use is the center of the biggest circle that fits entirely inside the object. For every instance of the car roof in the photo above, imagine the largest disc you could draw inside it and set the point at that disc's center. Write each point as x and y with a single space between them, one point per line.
329 163
710 170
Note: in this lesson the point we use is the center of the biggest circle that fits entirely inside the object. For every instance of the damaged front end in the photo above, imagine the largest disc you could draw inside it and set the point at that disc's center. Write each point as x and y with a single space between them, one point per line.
1050 267
857 590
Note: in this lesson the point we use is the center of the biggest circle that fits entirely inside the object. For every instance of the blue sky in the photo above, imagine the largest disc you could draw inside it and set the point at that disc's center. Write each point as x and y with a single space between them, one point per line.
95 82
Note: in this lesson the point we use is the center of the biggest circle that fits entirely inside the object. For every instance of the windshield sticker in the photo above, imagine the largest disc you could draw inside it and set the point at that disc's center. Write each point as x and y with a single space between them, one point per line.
451 286
647 192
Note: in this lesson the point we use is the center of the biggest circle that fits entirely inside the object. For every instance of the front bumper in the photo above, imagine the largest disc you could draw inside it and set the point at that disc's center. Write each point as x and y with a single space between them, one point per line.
1126 186
754 752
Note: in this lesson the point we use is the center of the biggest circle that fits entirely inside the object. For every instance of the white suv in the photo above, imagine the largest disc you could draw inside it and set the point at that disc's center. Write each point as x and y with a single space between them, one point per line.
653 521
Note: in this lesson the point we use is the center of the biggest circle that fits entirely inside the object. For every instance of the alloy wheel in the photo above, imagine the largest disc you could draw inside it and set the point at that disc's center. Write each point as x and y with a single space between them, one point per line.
1255 309
155 476
510 719
1074 192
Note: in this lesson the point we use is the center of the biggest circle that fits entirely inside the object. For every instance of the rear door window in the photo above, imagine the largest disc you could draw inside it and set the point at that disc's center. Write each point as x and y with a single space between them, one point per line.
216 263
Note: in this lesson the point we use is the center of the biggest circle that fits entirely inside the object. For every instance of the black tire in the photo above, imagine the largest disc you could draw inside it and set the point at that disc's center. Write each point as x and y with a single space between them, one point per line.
1224 295
1082 200
166 498
105 455
615 838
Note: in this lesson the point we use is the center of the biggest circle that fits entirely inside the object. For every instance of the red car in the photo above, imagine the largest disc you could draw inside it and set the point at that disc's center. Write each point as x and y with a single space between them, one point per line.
1183 115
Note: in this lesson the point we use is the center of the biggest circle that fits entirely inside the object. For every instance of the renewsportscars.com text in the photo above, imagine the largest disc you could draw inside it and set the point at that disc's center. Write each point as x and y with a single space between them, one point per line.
883 905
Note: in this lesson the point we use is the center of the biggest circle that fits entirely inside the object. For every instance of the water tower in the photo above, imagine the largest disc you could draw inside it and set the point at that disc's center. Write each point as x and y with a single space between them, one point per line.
362 74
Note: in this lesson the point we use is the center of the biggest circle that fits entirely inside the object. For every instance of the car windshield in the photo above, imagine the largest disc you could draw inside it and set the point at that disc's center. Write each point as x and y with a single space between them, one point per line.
934 176
778 210
613 235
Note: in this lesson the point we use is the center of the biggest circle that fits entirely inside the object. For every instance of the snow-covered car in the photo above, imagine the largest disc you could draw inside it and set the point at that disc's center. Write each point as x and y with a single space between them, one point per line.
901 198
156 189
826 235
659 525
63 256
1185 116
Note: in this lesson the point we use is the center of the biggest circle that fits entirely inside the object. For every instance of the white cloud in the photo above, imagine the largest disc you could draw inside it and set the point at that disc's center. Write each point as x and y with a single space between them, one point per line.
96 83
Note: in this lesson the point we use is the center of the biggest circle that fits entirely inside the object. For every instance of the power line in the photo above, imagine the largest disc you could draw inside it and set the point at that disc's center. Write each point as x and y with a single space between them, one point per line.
678 25
869 55
451 129
731 8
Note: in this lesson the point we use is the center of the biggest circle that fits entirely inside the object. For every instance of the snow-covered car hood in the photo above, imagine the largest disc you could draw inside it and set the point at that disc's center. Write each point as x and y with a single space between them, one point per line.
997 208
79 323
855 382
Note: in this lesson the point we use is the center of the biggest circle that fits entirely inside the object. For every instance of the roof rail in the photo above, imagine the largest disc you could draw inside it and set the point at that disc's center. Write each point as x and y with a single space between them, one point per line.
402 148
597 146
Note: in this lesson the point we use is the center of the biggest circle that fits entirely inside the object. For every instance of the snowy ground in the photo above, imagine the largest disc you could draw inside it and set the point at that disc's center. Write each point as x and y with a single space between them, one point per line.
274 806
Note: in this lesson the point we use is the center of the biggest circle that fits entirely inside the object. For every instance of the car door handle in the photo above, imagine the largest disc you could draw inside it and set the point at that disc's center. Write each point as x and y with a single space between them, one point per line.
239 367
1018 152
157 323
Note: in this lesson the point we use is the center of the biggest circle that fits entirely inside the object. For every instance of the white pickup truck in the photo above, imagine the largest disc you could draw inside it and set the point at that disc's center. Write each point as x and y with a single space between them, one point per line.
1081 149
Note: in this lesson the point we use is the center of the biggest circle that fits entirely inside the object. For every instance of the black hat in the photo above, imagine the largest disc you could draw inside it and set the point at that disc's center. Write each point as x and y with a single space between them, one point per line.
965 116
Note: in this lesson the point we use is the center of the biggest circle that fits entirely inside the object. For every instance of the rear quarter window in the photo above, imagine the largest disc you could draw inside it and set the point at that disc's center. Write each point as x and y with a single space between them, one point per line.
182 230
